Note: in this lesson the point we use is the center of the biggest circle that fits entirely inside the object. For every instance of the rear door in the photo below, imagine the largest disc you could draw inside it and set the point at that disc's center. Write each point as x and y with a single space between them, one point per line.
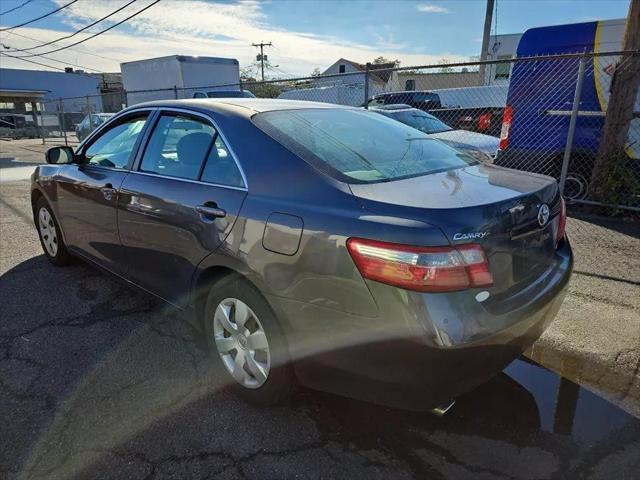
179 203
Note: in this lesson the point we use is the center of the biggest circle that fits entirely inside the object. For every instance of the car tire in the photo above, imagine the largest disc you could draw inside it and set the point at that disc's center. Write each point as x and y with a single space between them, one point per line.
262 374
49 233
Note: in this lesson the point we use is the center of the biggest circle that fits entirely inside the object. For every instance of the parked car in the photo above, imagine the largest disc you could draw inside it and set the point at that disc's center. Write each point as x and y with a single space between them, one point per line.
481 147
478 109
224 94
315 242
89 123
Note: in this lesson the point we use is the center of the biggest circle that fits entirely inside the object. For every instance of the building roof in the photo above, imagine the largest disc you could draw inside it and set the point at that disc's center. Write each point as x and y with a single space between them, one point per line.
19 92
382 76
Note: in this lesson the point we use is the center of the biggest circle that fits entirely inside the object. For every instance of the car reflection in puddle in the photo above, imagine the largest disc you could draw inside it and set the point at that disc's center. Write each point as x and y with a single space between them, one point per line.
527 422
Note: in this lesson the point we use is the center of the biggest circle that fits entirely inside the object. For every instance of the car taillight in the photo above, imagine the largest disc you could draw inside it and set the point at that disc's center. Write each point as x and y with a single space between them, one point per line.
484 122
426 269
507 116
562 221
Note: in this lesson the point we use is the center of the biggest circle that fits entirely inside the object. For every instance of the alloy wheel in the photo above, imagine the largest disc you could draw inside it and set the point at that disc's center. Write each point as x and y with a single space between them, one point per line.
48 231
241 343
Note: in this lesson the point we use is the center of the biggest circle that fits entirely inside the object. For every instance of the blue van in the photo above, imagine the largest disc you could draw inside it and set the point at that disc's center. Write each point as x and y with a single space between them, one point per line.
540 100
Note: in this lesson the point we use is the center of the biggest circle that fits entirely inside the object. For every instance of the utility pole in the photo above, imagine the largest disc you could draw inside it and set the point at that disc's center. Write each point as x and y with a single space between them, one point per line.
488 16
262 57
625 83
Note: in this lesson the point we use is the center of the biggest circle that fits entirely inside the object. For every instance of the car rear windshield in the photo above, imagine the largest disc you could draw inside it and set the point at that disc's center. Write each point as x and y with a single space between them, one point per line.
356 146
422 121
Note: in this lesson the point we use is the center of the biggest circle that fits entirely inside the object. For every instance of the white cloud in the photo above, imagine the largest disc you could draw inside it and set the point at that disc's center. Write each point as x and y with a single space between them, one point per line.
428 8
195 27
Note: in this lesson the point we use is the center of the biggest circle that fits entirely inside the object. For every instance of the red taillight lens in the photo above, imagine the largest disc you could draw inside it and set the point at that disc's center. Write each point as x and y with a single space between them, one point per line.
507 116
484 122
426 269
562 221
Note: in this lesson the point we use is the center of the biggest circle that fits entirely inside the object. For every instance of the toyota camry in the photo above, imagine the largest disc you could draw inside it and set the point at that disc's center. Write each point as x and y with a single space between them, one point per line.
315 244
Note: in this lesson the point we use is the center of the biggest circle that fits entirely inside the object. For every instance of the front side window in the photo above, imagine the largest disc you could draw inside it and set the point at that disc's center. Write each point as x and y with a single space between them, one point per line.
178 146
114 147
357 146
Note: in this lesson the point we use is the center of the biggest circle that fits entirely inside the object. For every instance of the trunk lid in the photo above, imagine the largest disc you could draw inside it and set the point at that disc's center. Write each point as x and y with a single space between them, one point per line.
495 207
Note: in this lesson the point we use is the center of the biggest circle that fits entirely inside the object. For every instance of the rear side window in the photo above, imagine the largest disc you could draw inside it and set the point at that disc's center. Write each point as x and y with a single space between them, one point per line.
178 147
356 146
184 147
221 167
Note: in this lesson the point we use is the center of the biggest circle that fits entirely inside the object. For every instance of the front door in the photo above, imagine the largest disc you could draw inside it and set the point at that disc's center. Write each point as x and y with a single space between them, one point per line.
88 191
179 204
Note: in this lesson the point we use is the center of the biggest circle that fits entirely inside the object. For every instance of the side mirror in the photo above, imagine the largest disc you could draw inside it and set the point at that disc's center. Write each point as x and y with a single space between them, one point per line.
60 155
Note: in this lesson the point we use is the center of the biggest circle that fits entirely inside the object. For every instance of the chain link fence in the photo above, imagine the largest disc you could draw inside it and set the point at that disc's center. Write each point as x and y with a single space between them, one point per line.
538 114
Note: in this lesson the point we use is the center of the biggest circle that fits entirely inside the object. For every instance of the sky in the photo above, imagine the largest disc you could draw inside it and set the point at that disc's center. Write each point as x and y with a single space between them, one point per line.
306 34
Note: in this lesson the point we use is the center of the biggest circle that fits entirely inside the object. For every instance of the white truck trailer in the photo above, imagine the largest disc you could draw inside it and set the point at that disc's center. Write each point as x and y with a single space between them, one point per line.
177 76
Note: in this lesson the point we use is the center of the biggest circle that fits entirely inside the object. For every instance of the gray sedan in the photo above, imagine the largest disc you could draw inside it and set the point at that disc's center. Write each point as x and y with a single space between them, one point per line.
315 243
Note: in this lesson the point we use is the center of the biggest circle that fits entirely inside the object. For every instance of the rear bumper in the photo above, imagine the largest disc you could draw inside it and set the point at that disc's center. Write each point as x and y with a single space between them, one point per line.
423 349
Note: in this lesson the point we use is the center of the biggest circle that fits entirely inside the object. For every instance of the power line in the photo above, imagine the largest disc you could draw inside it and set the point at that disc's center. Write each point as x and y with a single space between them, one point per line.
40 17
55 60
16 8
73 49
32 61
77 31
95 34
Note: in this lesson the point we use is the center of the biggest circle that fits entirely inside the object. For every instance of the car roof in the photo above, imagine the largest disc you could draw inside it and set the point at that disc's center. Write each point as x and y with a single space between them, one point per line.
241 106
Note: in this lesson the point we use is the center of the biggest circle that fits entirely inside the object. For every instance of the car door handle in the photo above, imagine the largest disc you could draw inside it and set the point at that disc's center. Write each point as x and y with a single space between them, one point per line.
211 211
108 191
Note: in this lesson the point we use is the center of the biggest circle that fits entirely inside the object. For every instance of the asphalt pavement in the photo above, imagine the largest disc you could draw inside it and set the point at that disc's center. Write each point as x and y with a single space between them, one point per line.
100 381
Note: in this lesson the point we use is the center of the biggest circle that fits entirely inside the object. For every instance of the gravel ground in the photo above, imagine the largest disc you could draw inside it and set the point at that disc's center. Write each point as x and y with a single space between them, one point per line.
100 381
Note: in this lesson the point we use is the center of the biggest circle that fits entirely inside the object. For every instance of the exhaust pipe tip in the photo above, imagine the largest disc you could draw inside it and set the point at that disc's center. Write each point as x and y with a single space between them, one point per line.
441 410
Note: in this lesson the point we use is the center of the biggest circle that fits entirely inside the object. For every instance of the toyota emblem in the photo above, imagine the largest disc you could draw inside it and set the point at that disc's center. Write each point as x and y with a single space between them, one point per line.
543 214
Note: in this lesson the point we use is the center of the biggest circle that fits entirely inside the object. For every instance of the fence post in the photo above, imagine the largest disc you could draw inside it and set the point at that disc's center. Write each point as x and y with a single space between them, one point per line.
62 120
366 85
125 98
40 127
572 124
175 92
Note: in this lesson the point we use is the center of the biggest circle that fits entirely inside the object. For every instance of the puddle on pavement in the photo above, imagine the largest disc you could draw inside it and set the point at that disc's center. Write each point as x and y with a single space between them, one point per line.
525 405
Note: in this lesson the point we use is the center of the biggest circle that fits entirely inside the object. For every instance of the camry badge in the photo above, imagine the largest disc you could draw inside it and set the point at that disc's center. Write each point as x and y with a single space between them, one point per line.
543 214
470 236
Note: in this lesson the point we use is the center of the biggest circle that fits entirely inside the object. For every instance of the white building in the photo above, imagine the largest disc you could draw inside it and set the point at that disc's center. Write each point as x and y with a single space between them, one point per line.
501 47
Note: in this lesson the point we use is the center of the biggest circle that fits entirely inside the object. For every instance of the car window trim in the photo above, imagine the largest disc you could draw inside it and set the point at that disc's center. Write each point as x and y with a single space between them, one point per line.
135 168
180 179
114 122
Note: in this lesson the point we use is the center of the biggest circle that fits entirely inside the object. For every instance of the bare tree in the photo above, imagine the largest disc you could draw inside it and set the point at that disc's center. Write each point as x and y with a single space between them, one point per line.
624 89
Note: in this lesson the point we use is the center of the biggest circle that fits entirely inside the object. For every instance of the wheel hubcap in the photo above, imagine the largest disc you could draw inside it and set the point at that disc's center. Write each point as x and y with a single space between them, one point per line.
48 231
241 343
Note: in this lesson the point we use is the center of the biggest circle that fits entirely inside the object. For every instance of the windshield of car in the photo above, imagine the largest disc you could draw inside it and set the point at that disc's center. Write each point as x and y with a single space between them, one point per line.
422 121
357 146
